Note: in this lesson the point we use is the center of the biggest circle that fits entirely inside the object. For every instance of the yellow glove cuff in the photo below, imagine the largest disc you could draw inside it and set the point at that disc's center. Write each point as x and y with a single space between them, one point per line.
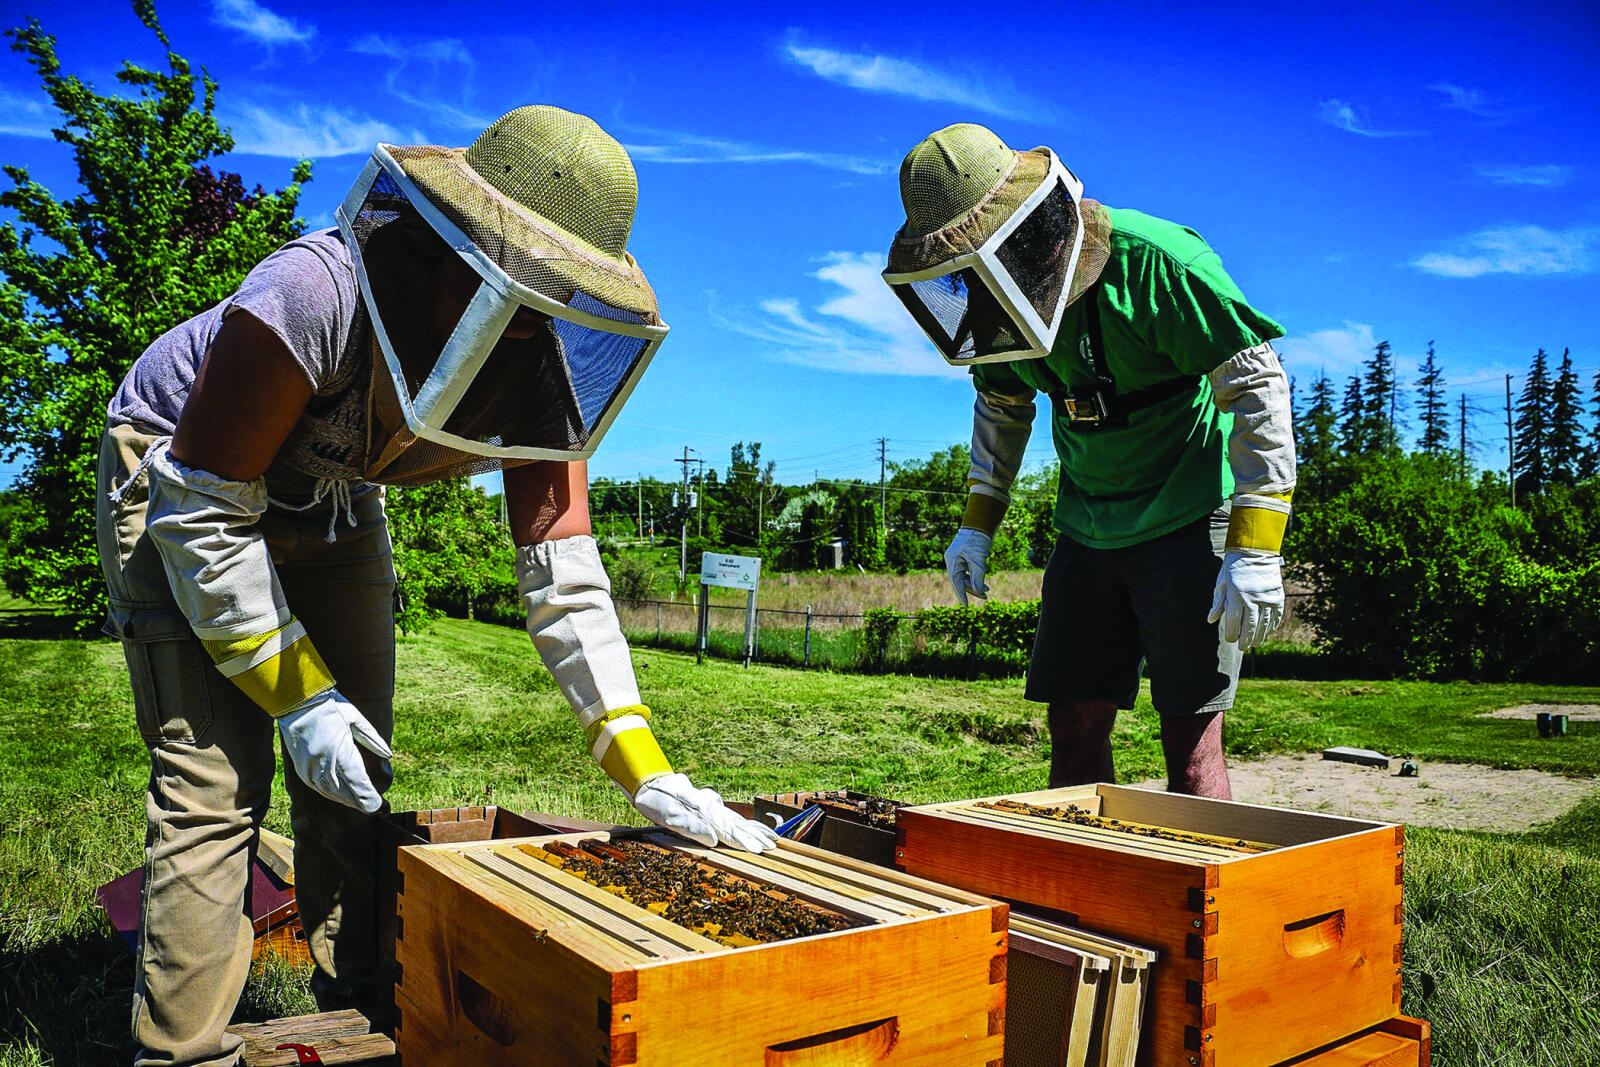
1259 527
983 513
626 749
279 670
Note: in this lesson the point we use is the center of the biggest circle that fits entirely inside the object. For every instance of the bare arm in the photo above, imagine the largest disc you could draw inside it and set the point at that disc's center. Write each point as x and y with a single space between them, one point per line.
547 501
247 396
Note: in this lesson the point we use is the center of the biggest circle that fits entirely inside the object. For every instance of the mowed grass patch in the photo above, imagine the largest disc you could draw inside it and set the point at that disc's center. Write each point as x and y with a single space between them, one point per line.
1502 943
479 720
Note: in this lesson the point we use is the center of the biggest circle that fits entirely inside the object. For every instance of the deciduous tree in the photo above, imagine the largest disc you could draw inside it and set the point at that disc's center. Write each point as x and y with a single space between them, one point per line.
87 281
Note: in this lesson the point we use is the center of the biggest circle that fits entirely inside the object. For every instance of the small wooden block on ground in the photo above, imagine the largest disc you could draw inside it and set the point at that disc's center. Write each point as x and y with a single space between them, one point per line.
1364 756
340 1037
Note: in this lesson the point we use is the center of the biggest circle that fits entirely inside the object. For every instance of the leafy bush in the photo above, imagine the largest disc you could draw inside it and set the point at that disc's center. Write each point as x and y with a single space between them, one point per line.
632 578
879 626
1423 573
1005 628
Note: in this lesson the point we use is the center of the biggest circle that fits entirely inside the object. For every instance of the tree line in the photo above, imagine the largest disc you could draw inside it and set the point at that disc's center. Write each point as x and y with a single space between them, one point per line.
1421 563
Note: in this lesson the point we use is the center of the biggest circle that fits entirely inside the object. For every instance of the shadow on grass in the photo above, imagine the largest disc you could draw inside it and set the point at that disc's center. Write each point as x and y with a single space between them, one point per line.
68 998
38 624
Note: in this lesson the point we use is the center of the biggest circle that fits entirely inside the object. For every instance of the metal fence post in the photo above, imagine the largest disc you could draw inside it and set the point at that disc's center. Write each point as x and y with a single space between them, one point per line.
749 626
702 623
806 659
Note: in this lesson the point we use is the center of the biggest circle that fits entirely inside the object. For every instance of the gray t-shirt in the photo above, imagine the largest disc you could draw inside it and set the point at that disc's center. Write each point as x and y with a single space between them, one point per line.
306 293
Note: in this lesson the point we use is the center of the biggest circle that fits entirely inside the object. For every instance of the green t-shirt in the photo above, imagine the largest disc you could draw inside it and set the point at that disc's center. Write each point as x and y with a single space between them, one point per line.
1167 309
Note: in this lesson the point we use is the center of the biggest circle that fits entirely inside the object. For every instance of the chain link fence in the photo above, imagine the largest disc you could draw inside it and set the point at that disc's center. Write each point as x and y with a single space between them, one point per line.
841 642
803 639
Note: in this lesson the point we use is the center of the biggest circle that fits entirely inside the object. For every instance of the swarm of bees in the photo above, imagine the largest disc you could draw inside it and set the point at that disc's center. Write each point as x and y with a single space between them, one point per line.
1079 817
728 909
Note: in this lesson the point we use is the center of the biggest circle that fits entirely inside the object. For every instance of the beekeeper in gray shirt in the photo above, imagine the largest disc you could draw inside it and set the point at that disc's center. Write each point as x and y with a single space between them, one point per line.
475 309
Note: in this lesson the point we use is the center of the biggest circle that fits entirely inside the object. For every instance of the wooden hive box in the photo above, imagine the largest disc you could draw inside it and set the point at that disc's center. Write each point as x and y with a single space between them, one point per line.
1400 1042
1264 955
840 830
505 959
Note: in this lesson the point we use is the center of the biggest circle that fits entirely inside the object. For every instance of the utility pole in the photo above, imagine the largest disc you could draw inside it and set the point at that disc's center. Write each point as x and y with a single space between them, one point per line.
1463 445
639 487
883 494
683 520
699 500
1511 452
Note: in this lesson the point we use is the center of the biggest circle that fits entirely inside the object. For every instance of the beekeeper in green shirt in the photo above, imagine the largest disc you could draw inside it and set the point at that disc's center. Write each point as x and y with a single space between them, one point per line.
1170 415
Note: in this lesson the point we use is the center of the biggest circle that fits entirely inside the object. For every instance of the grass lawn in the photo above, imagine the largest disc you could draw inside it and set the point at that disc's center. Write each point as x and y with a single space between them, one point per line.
1502 931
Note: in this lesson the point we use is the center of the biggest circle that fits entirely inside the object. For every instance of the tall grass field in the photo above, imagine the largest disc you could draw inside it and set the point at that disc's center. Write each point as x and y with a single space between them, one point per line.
1502 931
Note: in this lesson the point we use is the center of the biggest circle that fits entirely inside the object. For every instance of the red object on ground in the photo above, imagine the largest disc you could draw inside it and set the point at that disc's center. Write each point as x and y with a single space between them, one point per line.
270 896
306 1053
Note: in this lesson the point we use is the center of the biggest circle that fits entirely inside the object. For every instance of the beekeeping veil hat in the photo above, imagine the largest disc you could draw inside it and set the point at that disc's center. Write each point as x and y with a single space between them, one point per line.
995 245
508 320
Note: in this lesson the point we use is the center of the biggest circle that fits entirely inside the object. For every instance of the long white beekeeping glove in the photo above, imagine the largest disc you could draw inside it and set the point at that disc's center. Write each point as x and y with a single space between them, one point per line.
1248 599
1001 426
222 578
574 626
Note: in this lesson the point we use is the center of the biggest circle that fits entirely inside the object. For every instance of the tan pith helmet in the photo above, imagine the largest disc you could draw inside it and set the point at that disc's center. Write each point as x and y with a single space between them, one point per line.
960 184
547 194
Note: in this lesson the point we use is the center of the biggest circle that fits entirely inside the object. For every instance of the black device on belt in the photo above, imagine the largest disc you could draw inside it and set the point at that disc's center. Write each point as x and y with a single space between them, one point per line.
1103 408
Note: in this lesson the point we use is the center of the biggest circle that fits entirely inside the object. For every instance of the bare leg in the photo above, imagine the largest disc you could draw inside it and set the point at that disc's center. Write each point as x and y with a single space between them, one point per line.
1195 762
1080 742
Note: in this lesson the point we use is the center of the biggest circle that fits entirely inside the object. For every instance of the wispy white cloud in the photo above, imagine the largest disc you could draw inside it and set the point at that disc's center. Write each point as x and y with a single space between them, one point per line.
1548 174
449 69
257 22
1342 115
1530 250
25 116
878 73
860 329
667 147
1473 102
1334 351
308 132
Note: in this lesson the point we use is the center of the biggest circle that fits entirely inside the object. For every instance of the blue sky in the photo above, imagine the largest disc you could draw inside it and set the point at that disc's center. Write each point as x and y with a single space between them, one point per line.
1402 172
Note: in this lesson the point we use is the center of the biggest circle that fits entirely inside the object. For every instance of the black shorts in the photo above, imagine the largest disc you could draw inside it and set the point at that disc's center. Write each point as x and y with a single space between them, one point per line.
1104 611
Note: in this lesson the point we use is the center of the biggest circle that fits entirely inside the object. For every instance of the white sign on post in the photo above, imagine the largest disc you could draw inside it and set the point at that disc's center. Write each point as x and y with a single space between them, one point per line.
731 572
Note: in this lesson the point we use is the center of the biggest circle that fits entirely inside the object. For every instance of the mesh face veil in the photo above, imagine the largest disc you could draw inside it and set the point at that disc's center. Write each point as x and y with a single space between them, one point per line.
544 332
991 284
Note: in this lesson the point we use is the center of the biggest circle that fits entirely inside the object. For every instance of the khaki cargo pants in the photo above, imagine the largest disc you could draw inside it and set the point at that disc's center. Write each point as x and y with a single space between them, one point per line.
211 768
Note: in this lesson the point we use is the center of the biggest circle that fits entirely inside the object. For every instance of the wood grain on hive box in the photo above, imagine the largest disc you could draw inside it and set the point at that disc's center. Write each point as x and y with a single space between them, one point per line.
1264 954
507 960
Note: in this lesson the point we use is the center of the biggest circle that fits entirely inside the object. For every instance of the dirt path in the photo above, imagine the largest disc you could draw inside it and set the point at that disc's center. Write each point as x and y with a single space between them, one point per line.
1461 796
1575 712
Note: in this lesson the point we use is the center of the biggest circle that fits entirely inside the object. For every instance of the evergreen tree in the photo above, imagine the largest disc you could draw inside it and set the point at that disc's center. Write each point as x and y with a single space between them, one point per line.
1530 462
1352 431
1316 440
1565 449
1465 445
1435 418
1591 455
1380 400
87 282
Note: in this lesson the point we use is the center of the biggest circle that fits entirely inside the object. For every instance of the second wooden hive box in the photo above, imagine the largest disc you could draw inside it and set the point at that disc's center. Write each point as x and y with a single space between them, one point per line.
505 959
1267 950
